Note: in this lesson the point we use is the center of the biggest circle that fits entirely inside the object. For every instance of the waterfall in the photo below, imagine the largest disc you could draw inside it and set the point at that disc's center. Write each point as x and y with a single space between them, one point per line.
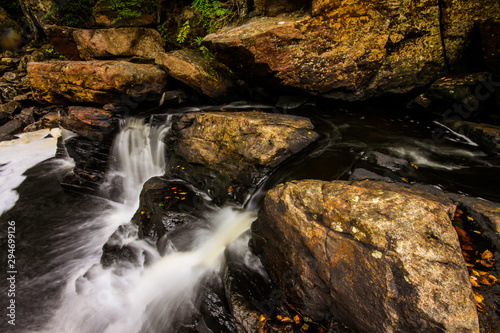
138 154
134 297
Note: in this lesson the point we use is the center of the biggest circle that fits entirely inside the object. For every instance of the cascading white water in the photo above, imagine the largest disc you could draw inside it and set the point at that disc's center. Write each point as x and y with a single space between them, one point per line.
139 154
130 297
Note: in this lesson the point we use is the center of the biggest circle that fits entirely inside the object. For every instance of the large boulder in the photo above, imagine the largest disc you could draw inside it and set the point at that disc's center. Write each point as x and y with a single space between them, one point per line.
380 257
231 150
119 42
203 75
350 50
64 82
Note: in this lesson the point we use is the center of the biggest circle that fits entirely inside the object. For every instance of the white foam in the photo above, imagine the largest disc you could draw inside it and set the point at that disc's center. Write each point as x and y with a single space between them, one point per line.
17 156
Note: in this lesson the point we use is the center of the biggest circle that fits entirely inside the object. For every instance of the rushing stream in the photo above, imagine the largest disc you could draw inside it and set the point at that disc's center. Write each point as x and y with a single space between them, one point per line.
61 285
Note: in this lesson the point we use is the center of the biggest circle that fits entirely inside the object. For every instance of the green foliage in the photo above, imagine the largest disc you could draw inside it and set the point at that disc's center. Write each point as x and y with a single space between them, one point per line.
51 53
74 13
213 14
183 32
130 8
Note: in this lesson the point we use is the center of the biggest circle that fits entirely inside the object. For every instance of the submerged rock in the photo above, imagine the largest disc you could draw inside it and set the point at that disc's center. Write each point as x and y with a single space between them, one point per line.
225 151
378 256
485 135
64 82
119 42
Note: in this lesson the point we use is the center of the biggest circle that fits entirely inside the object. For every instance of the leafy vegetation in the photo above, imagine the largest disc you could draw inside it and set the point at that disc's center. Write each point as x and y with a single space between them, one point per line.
131 8
74 13
214 14
183 32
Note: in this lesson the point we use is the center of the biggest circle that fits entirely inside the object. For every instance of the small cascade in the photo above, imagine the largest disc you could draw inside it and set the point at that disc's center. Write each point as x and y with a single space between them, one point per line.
137 155
129 297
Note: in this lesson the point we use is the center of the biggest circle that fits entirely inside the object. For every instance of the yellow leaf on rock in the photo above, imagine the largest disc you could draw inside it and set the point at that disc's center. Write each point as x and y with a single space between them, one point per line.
296 319
470 218
305 327
262 318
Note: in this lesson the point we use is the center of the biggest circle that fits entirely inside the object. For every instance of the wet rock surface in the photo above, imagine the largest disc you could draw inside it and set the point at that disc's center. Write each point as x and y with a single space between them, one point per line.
234 149
485 135
167 206
91 163
346 249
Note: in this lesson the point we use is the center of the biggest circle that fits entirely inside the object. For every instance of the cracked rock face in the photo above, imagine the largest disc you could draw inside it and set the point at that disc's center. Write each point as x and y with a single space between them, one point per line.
379 257
352 50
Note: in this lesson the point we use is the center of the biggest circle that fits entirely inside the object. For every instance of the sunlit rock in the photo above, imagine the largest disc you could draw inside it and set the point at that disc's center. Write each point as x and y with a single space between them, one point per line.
231 151
118 42
64 82
378 256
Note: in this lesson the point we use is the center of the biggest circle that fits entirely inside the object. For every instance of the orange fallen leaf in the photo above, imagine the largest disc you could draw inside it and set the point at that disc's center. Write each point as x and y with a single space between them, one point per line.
296 319
486 255
473 281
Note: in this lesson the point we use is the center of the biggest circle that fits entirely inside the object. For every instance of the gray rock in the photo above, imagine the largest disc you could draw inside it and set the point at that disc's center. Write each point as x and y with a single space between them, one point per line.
380 257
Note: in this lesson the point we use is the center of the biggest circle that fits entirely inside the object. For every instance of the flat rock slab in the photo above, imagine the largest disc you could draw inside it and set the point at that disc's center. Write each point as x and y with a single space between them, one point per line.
378 256
240 143
119 42
65 82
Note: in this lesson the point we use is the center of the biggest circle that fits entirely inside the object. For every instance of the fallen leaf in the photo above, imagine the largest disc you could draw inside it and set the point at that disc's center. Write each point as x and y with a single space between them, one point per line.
230 189
296 319
470 218
414 165
460 232
305 327
486 255
478 297
473 281
262 318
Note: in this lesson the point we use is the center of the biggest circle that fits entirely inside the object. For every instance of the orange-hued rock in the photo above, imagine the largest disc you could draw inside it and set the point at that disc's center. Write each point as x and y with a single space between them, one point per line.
378 256
64 82
119 42
90 122
207 77
351 49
